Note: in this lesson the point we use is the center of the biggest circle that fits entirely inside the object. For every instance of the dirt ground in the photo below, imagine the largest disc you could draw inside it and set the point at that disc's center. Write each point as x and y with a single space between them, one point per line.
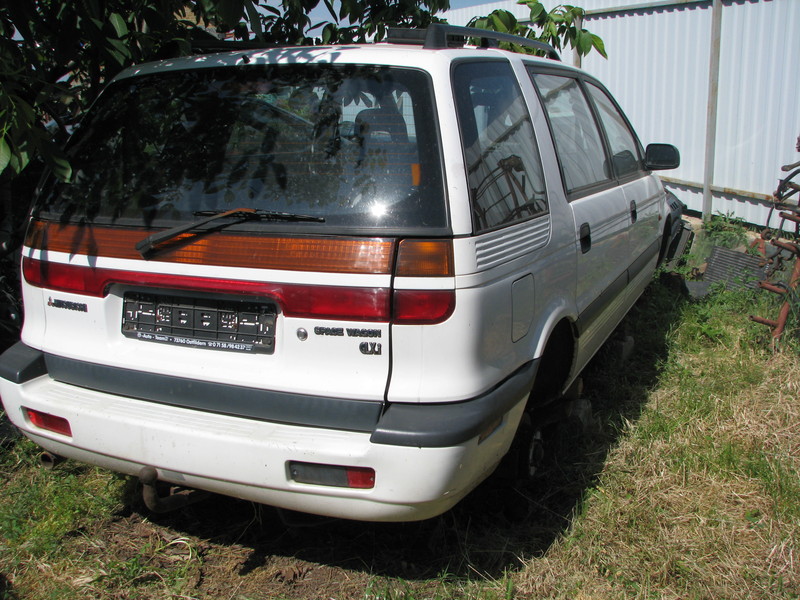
227 548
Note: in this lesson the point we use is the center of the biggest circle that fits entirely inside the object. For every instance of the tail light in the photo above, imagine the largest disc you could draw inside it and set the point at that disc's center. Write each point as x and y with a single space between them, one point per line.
423 258
422 307
415 259
322 302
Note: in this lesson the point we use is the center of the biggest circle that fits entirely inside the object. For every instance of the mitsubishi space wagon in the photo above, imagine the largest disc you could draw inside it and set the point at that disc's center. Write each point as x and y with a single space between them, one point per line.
330 279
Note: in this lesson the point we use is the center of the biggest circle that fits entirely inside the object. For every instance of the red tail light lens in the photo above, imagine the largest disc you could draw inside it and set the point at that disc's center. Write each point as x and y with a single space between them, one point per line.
422 307
44 420
322 302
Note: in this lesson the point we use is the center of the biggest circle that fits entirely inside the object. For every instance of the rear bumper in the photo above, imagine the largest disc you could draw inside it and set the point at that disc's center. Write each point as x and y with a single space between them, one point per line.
425 457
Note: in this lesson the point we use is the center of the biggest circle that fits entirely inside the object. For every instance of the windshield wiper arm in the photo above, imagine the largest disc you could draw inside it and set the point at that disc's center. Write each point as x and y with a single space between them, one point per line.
148 244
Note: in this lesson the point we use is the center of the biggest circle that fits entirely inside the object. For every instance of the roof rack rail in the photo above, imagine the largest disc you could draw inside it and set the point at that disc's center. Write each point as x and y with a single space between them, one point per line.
441 35
206 46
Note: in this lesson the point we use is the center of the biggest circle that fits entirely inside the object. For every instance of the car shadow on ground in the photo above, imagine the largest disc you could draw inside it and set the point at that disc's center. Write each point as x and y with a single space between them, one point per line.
500 524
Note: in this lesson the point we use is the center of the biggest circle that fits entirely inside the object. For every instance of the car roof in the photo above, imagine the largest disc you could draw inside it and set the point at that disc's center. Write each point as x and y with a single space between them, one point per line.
427 49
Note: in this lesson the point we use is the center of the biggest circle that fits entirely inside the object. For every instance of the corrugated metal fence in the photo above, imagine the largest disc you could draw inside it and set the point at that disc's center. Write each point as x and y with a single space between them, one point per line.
661 71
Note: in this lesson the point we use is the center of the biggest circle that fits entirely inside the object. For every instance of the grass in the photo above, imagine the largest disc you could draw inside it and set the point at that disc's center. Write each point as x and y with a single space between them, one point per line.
699 498
690 488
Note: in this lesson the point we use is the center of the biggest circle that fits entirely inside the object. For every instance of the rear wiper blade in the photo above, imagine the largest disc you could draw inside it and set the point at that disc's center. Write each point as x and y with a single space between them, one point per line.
146 246
258 214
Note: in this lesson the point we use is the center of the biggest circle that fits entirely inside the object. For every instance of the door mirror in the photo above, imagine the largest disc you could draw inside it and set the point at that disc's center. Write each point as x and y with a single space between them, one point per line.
658 157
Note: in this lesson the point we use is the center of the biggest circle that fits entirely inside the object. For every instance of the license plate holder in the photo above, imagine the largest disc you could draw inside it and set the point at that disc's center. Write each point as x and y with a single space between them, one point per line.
205 323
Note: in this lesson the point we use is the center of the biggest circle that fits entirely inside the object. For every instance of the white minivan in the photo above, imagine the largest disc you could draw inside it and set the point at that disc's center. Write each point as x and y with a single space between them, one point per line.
330 279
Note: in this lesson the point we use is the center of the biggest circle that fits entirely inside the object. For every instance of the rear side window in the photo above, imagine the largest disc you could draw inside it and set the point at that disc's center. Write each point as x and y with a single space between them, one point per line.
355 145
577 139
505 173
625 152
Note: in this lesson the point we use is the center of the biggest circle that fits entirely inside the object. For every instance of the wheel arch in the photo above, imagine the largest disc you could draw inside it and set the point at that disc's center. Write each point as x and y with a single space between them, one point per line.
556 363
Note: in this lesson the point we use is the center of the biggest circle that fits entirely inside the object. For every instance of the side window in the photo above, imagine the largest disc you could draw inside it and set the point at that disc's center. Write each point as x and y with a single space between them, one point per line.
505 173
625 154
577 139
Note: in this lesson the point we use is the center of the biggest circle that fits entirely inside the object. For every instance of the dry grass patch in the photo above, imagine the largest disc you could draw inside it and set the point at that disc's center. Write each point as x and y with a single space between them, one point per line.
701 496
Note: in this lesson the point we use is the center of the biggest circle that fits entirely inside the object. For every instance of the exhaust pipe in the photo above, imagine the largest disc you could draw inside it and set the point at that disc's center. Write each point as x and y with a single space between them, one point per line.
48 460
174 500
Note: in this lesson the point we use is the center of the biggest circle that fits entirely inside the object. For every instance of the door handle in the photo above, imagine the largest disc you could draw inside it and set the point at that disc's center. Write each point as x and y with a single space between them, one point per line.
634 216
585 236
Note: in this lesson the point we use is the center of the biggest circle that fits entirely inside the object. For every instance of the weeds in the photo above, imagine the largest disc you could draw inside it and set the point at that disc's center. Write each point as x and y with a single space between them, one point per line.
726 230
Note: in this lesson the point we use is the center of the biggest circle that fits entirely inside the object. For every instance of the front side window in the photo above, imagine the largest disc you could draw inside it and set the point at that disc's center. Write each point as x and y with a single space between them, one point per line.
625 155
578 142
505 173
356 146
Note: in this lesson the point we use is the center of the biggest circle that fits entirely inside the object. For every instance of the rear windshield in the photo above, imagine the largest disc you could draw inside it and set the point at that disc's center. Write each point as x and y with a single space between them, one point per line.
355 145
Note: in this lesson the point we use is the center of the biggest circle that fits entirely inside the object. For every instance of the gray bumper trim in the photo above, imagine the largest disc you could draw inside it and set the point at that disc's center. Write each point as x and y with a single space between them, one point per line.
452 423
237 401
420 425
21 363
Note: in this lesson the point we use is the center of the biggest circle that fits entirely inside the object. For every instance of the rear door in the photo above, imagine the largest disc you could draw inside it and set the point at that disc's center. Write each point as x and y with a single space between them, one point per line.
312 173
601 213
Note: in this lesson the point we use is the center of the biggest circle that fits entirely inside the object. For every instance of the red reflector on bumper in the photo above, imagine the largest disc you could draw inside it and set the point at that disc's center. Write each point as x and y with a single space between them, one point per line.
44 420
333 475
360 477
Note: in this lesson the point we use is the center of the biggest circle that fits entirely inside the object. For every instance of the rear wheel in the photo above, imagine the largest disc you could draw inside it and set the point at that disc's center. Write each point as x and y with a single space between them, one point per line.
528 449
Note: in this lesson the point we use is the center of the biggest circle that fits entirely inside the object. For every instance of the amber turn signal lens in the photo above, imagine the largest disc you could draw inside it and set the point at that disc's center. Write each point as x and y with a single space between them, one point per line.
425 258
224 249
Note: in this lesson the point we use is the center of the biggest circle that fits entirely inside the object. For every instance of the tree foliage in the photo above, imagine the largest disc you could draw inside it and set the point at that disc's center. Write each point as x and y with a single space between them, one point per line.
558 27
55 55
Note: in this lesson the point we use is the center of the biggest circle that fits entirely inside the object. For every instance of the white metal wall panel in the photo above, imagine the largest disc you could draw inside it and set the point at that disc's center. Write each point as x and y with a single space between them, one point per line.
462 16
759 94
658 69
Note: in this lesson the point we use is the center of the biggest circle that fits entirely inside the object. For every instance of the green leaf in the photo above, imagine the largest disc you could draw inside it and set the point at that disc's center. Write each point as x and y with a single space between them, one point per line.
255 20
5 154
329 6
479 23
328 33
583 42
120 50
599 45
60 165
502 21
119 24
537 10
509 20
19 160
230 11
